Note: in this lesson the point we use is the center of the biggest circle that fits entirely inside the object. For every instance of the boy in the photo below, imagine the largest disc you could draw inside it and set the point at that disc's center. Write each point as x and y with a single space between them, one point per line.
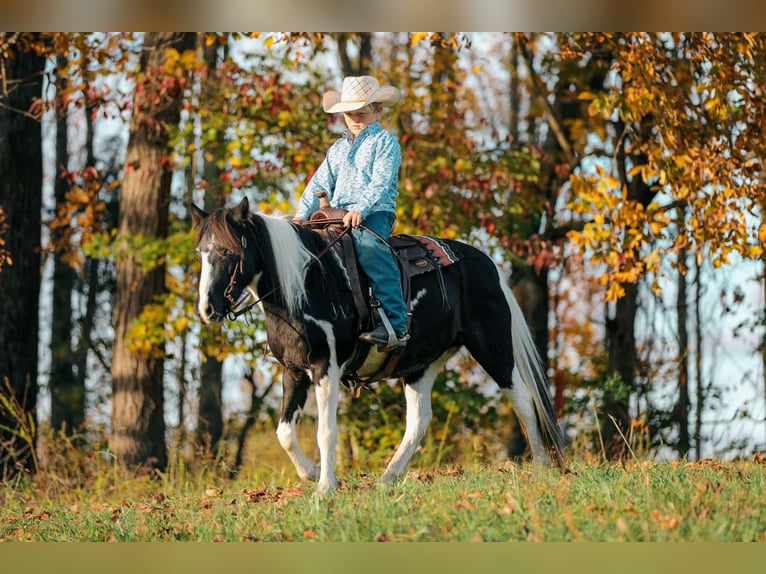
360 174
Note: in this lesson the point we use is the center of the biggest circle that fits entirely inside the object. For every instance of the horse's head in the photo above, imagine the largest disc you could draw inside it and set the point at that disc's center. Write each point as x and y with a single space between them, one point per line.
221 246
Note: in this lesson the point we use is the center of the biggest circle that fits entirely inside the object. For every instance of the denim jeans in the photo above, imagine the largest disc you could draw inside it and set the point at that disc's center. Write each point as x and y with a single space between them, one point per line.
379 263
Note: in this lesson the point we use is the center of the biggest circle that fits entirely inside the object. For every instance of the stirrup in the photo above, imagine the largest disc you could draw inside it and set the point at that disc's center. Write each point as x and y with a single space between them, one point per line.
383 339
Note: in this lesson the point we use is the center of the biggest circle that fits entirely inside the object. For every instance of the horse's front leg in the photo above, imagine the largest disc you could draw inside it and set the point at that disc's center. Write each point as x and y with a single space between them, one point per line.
295 385
327 389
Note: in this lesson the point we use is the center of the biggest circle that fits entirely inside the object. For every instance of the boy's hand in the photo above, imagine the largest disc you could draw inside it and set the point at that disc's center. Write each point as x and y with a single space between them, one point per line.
352 219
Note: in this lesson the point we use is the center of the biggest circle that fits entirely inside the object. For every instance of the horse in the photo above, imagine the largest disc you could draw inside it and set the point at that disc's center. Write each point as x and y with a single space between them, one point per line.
302 288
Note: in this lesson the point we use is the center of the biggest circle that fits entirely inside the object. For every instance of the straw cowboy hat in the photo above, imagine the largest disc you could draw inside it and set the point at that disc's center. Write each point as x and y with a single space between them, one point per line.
357 92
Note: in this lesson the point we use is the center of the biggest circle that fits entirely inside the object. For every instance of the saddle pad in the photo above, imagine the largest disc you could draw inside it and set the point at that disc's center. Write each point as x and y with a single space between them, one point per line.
435 250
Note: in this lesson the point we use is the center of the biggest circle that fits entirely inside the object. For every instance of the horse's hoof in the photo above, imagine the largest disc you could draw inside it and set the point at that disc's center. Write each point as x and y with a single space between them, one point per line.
311 475
389 477
324 487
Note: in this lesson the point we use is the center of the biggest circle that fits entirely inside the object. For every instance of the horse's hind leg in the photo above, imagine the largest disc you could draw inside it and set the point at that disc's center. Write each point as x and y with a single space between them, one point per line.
524 408
493 351
295 384
418 399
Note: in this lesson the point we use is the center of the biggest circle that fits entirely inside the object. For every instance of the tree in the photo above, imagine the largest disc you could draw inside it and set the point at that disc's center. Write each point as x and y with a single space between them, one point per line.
210 416
22 67
67 395
678 125
138 424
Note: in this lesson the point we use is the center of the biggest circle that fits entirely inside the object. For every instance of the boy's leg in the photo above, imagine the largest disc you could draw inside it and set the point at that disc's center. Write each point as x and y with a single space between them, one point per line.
379 263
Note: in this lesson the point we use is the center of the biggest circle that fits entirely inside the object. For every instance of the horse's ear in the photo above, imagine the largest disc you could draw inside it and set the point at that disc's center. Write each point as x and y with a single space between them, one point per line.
198 215
241 211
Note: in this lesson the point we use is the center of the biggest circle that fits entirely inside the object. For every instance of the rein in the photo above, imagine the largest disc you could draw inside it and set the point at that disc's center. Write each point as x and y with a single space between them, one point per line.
234 313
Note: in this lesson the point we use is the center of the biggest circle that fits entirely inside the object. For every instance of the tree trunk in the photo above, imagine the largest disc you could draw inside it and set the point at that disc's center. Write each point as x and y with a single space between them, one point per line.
91 275
615 416
138 424
360 65
210 419
681 411
621 345
67 397
700 389
515 95
21 178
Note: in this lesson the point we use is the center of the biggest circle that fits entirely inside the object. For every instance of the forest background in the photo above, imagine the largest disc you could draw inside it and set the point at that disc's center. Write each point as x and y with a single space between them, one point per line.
620 177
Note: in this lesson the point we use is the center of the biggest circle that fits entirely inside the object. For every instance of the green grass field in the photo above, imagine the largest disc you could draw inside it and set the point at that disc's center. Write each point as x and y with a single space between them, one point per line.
640 501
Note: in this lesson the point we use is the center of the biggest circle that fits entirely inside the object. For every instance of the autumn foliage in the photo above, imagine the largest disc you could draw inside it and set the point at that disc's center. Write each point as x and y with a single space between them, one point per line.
597 164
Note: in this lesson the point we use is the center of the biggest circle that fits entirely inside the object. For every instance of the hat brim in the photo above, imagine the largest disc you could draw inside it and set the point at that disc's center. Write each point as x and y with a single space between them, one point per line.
332 104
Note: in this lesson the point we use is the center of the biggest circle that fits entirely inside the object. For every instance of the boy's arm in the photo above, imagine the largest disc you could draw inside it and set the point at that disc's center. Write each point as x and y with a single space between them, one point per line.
321 180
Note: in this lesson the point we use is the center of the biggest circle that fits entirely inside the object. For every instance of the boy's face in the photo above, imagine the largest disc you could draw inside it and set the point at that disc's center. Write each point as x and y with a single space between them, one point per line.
357 120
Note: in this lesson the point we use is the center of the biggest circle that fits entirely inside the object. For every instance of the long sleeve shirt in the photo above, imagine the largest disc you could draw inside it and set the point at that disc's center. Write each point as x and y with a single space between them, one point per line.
358 174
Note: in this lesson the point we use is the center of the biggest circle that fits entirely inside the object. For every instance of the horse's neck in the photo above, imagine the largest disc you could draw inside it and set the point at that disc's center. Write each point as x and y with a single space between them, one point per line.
327 264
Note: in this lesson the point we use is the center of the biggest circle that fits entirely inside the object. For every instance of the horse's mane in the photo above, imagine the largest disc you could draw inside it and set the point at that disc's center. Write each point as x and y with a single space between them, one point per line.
289 257
285 256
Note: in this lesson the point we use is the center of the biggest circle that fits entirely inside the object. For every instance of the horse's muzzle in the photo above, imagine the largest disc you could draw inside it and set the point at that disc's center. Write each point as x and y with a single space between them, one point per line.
209 315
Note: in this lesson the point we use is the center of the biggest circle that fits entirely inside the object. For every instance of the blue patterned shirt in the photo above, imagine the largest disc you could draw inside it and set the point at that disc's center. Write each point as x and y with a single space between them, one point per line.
358 174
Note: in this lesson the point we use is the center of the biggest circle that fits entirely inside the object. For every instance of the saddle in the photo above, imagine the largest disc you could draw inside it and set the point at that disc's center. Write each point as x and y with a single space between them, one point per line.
415 255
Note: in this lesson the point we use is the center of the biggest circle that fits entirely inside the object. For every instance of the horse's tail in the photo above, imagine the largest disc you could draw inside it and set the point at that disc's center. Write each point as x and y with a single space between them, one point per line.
532 373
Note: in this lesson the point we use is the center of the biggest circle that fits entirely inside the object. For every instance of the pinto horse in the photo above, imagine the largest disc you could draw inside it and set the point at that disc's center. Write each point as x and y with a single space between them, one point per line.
311 326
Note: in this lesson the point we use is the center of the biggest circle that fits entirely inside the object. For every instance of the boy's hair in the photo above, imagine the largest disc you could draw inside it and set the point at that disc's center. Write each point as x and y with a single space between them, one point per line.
376 106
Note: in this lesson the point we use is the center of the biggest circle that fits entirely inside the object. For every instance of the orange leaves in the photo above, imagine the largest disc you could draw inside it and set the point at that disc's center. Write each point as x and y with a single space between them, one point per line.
666 521
279 495
688 108
620 232
79 217
417 37
178 64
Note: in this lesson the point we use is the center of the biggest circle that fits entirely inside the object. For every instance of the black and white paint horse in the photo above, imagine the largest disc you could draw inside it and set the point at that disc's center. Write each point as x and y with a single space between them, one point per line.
311 325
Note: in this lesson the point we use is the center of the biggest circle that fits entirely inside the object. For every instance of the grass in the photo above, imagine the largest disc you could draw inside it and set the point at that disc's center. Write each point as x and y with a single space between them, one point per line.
637 501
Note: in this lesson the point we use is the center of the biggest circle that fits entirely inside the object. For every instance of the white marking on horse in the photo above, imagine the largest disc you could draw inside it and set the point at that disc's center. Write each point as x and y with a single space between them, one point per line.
205 280
419 413
416 299
327 390
288 438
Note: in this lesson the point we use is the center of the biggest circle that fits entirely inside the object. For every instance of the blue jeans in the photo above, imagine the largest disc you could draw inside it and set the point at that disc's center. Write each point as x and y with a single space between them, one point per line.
379 264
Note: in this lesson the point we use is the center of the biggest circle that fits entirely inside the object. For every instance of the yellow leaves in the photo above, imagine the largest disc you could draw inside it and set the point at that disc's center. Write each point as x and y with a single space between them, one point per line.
177 63
615 291
168 318
180 324
621 234
284 118
417 37
609 182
